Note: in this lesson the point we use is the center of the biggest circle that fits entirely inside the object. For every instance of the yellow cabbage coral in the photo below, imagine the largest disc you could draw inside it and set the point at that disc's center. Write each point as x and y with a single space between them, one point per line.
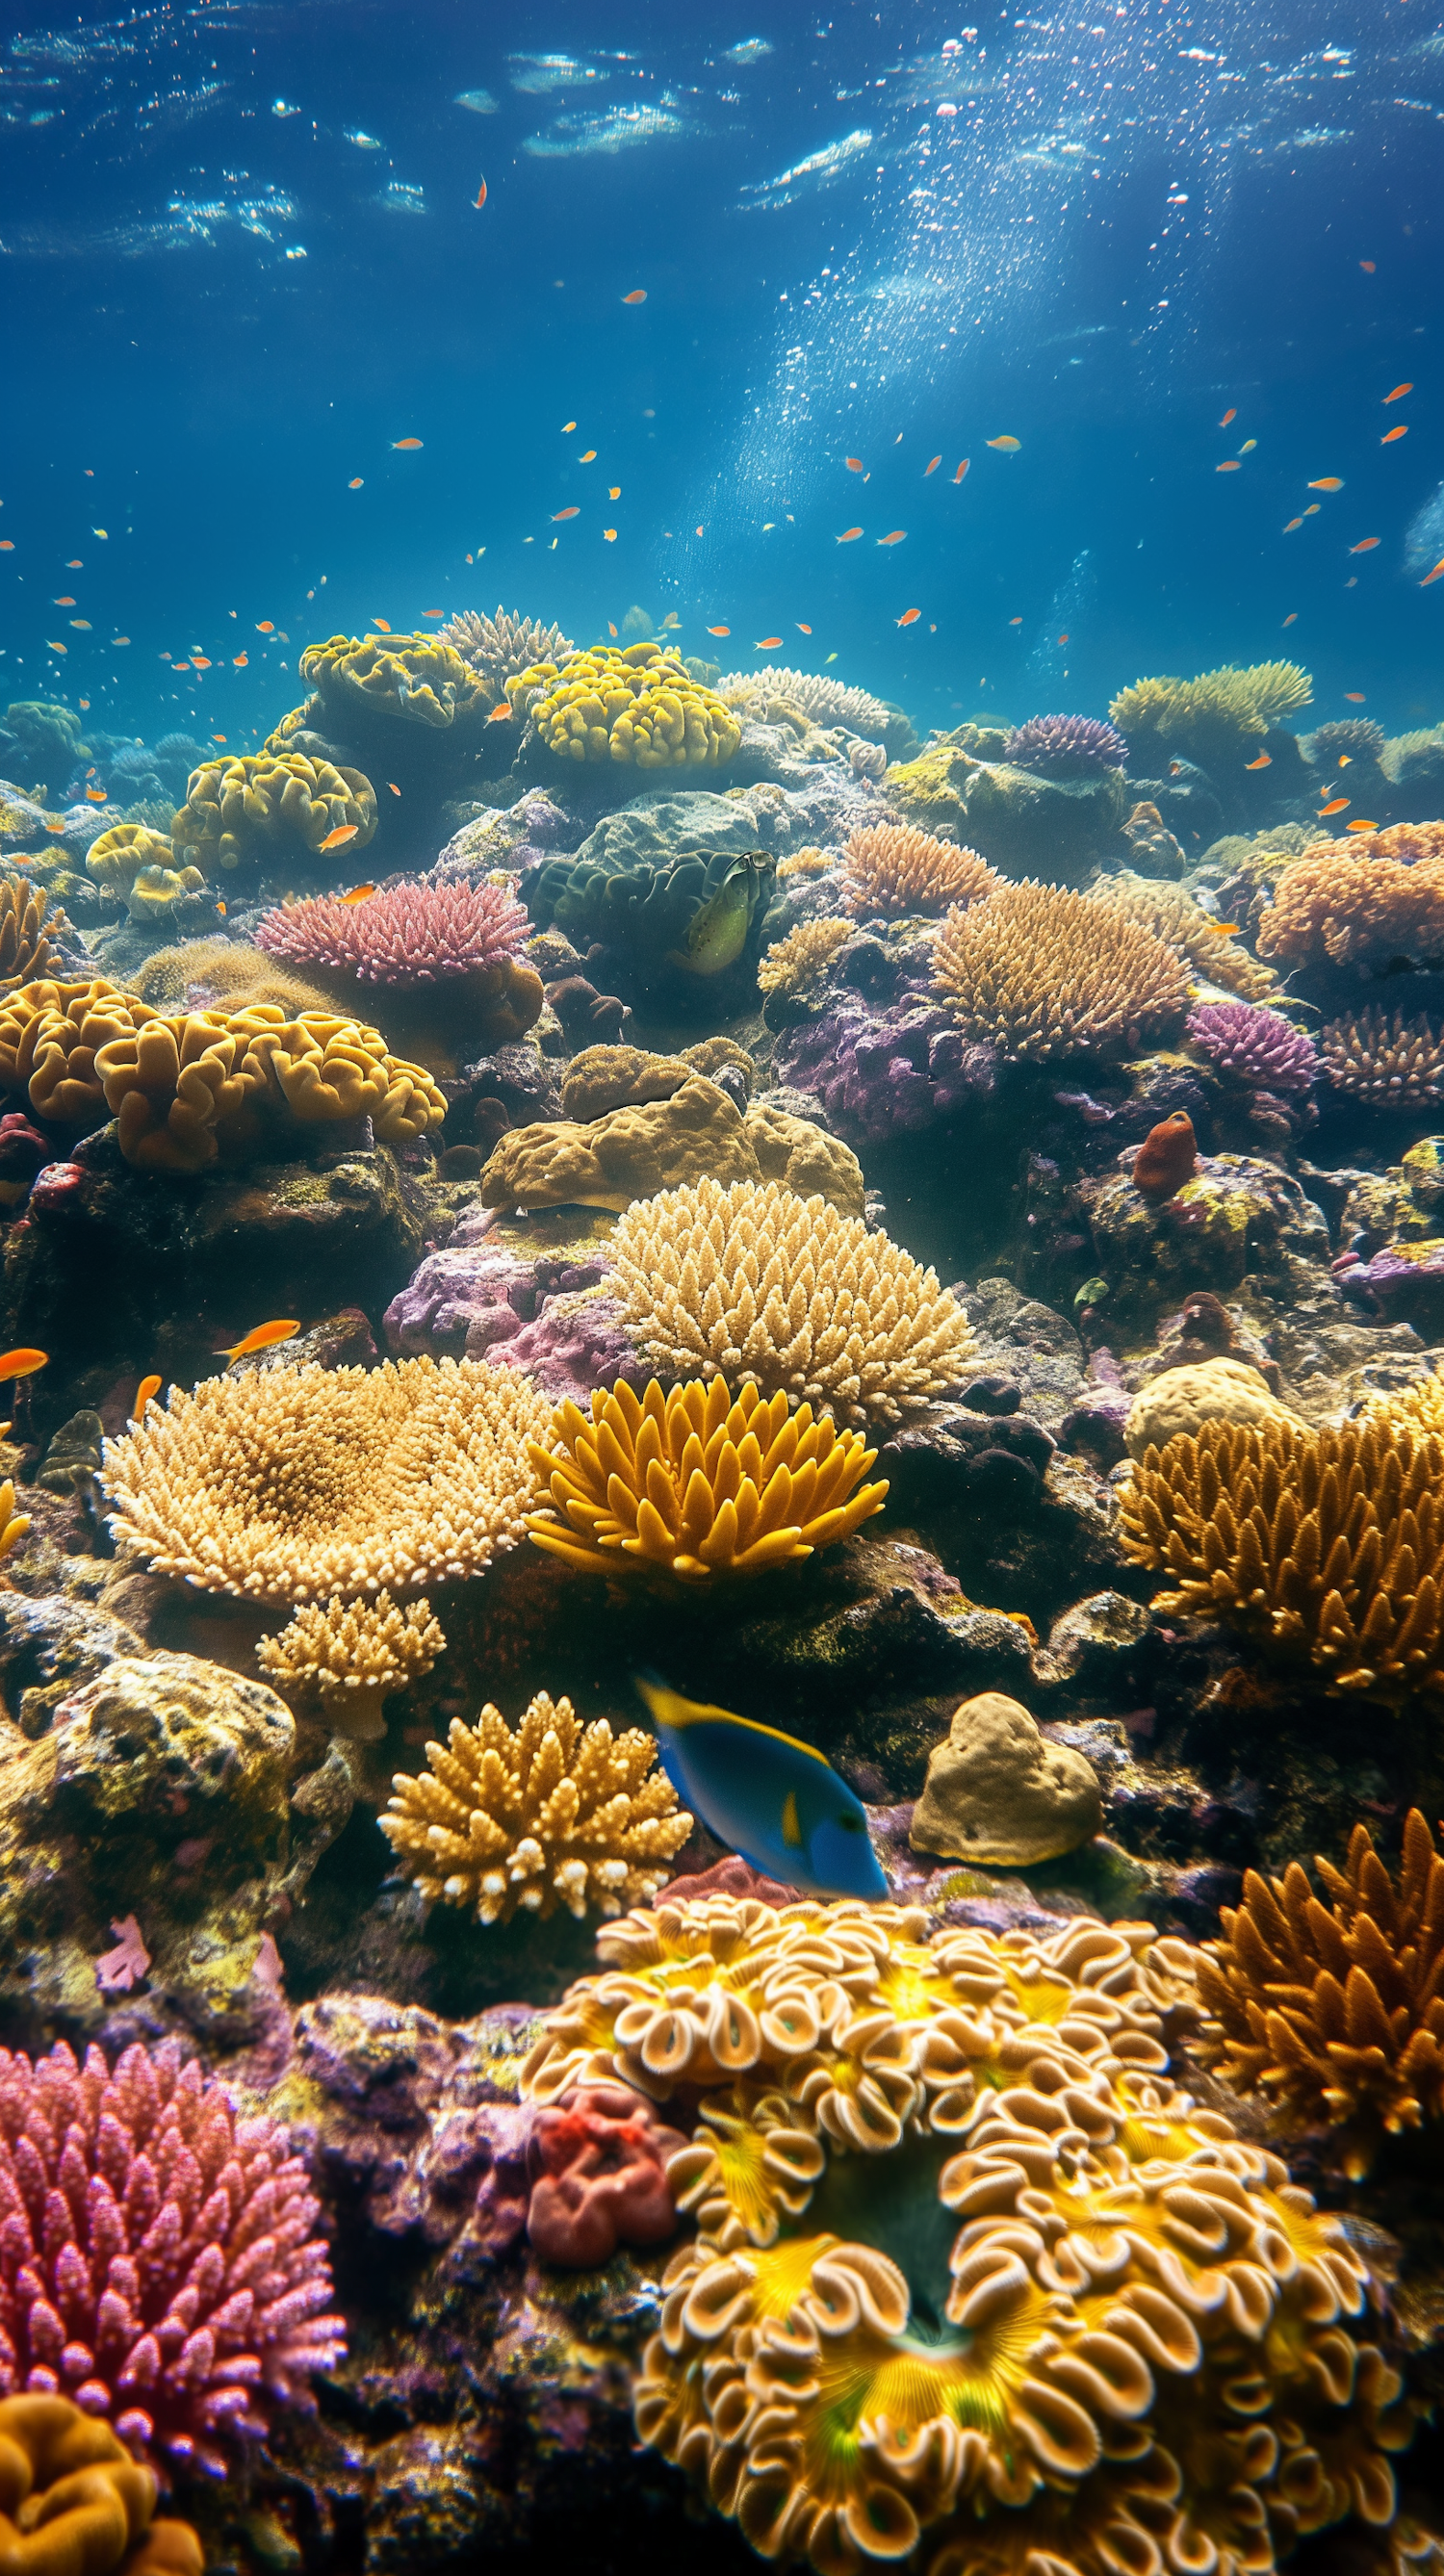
353 1653
415 677
245 808
757 1285
1039 971
696 1485
300 1484
639 705
553 1814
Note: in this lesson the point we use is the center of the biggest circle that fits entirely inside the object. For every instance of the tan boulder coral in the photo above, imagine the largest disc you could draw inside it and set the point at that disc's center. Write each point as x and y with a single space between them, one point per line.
618 1077
998 1793
805 1159
628 1154
1210 1391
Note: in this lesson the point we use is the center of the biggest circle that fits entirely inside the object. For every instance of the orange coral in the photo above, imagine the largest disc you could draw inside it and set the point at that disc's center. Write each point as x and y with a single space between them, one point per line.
893 869
1343 904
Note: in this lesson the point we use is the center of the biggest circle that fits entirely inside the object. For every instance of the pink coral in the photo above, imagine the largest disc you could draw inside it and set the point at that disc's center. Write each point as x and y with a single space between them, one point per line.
598 2161
157 2257
412 933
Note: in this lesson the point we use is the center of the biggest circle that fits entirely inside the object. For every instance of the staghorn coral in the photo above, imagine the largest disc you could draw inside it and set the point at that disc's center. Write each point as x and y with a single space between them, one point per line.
1349 906
411 933
635 705
1039 971
553 1814
969 2270
827 702
799 962
74 2503
891 869
244 809
416 678
297 1484
1326 1545
1348 738
1258 1049
695 1485
1169 911
353 1654
1334 2009
158 2257
1384 1058
1214 718
1065 746
762 1287
28 930
499 647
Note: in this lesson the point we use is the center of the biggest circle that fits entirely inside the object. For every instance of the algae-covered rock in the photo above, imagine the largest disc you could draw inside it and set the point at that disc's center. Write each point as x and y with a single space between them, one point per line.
1037 826
1219 1390
997 1792
1238 1217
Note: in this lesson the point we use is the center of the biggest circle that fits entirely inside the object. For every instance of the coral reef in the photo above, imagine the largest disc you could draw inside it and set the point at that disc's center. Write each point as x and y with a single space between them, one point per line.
29 941
499 647
798 963
1257 1049
74 2503
44 741
159 2256
353 1654
696 1486
1344 906
891 869
635 705
243 810
1384 1058
1170 912
416 679
297 1484
1212 719
1326 1545
205 974
408 933
759 1286
1198 1391
826 702
1039 971
998 1794
694 1132
136 866
553 1814
1350 738
884 1073
1065 746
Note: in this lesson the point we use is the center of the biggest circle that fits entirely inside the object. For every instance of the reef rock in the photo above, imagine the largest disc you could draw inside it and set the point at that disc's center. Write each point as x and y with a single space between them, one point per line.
997 1792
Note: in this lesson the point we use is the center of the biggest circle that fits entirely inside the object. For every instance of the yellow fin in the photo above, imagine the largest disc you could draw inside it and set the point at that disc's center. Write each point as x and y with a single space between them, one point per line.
668 1708
791 1829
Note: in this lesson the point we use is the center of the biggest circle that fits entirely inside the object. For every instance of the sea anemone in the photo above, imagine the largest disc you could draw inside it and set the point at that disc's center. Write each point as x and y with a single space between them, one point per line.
1066 746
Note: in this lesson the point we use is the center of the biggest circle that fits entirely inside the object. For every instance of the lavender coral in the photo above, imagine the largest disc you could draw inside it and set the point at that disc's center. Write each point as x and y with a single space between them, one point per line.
410 933
884 1073
1257 1049
1066 747
158 2260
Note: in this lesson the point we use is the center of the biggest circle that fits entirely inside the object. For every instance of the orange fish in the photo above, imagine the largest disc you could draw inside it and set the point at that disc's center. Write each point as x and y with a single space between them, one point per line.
62 603
359 894
406 442
84 705
391 783
1400 430
719 630
64 648
611 630
1360 825
573 510
265 627
1435 575
1293 523
853 464
7 545
75 564
1335 805
1355 697
1224 929
221 906
614 491
502 714
95 795
21 1363
1264 761
1328 483
433 612
610 535
1289 620
356 482
932 467
801 629
1313 509
1229 466
1346 759
637 296
57 826
85 622
1367 265
199 662
218 737
120 639
1230 414
1015 621
909 617
148 1387
1365 546
338 839
1396 396
180 666
847 536
962 469
479 200
261 1337
894 537
768 644
380 624
567 427
1009 446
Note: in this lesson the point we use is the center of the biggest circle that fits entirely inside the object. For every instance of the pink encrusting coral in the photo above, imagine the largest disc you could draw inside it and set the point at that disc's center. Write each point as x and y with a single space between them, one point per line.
412 933
158 2260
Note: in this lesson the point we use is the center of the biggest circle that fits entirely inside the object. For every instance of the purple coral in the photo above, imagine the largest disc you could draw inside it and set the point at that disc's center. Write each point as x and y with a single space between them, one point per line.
1255 1048
412 933
883 1073
1066 747
158 2261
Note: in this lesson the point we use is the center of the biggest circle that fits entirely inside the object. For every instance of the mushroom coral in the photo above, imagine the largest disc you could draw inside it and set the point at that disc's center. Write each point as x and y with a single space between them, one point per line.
891 869
1040 971
696 1486
968 2268
297 1484
552 1814
74 2503
637 705
246 808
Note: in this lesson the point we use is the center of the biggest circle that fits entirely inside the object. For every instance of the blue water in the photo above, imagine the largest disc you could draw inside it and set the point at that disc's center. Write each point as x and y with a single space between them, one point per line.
242 259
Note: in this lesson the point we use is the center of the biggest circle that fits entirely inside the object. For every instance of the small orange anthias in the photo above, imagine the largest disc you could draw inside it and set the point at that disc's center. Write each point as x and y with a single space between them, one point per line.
1167 1157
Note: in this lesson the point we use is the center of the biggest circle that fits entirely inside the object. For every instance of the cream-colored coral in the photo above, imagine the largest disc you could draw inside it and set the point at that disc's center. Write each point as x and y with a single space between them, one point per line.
808 862
295 1484
26 933
209 974
1169 911
1039 971
1384 1058
796 963
892 869
1334 906
353 1653
553 1814
753 1283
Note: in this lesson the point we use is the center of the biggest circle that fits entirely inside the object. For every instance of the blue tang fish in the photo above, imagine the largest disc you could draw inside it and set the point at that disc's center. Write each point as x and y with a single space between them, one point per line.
779 1804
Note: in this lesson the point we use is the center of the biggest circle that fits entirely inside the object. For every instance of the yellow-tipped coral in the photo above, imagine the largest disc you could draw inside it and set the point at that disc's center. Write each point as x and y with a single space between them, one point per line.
696 1485
353 1653
555 1814
639 705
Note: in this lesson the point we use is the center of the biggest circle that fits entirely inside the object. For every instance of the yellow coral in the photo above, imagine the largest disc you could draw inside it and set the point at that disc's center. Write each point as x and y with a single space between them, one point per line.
300 1484
74 2503
353 1653
136 865
1039 971
26 932
1333 906
13 1525
697 1485
415 677
1211 717
893 869
243 807
800 960
637 705
1169 911
207 973
808 862
553 1814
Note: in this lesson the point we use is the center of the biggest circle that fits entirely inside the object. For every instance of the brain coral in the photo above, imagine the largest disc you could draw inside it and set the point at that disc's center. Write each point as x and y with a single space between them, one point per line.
244 809
555 1814
416 678
968 2268
295 1484
892 869
1347 907
757 1285
1066 746
499 647
74 2503
696 1485
158 2256
1382 1057
1039 971
26 933
1213 717
636 705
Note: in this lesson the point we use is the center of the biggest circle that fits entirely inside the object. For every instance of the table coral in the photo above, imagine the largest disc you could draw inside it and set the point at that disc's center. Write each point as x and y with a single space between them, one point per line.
892 869
159 2260
1040 971
757 1285
295 1484
1213 718
1341 906
74 2503
636 705
415 678
696 1486
1326 1545
1384 1058
30 933
244 809
598 2166
553 1814
1066 746
353 1653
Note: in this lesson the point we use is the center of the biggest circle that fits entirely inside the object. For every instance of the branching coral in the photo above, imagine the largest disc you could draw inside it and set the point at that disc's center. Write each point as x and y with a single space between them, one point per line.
759 1286
297 1484
74 2503
416 678
695 1485
1039 971
499 647
1336 2009
827 702
1169 911
407 934
553 1814
243 809
158 2261
1213 717
1327 1545
353 1654
1351 907
1040 2308
28 930
1259 1050
1384 1058
892 869
1066 747
637 704
798 962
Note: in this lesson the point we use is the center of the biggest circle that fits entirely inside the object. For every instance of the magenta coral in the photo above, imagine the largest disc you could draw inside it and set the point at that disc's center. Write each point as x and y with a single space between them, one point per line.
158 2261
412 933
1256 1048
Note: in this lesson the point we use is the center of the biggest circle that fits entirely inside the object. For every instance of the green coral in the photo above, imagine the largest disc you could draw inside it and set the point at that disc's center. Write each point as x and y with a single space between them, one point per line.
245 808
47 741
639 705
686 922
1211 718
